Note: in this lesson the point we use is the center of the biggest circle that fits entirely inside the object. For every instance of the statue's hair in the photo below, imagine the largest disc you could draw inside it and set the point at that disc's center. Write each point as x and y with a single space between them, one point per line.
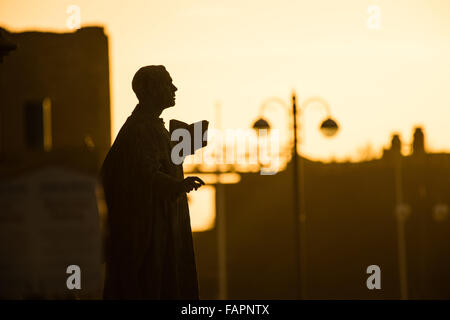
147 77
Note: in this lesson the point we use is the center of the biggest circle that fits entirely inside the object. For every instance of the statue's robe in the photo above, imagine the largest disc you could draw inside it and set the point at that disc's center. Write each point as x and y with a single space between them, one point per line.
149 249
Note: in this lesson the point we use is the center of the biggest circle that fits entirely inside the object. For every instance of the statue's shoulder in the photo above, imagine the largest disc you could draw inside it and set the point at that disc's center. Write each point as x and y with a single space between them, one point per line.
131 127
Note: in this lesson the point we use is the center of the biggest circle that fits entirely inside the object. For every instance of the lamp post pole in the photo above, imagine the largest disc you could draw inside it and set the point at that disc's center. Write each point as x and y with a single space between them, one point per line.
402 212
296 202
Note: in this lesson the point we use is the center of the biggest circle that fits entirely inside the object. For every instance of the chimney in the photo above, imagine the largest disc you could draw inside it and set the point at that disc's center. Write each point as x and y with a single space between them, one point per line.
396 144
418 145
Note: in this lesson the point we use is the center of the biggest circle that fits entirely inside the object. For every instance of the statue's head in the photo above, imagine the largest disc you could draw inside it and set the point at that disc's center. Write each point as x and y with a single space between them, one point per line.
153 86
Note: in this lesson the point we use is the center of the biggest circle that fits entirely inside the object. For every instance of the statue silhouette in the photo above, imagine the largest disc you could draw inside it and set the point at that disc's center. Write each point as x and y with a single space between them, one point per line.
149 249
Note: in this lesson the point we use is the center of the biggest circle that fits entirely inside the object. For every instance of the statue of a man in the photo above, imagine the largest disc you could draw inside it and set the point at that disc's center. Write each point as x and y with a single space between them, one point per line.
149 248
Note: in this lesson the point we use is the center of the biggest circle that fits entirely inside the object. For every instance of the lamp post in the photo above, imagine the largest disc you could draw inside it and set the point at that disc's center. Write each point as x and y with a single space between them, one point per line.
329 128
402 211
260 125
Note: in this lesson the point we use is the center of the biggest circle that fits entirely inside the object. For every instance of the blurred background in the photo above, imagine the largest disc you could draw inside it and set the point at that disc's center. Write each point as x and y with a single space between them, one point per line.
365 183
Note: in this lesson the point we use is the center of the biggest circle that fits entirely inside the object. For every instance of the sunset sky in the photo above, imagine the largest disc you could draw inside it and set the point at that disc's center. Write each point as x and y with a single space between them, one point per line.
238 53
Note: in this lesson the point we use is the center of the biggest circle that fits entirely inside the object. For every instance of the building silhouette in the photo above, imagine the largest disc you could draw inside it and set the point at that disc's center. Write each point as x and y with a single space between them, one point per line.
55 97
54 131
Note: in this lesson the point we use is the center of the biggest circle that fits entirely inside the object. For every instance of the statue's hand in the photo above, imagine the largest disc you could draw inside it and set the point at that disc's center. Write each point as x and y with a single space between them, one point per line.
190 183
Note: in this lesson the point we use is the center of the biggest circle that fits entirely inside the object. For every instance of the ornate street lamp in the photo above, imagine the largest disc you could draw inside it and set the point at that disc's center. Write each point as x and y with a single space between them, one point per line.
329 128
261 124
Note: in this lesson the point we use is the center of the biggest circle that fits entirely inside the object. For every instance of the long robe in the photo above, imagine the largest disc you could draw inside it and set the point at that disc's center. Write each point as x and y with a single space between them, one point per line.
149 248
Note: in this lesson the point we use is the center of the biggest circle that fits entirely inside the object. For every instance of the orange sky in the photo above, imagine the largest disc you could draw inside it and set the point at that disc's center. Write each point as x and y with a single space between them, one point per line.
239 53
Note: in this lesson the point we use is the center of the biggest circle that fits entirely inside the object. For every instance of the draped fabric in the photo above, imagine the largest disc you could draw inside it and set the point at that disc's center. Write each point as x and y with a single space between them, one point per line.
149 249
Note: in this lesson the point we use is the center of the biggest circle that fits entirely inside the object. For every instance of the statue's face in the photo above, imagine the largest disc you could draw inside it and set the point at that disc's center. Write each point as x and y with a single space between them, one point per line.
165 91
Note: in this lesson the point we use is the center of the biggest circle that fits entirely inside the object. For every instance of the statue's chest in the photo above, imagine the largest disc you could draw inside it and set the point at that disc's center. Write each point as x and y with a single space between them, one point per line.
165 146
